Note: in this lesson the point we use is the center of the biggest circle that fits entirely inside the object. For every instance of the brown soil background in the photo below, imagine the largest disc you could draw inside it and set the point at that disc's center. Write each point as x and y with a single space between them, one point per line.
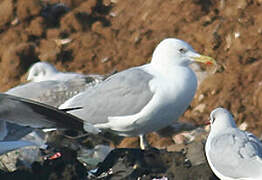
114 35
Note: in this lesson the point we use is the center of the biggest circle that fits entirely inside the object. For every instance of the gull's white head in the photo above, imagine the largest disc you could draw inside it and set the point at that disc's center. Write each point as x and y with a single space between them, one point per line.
221 119
175 52
40 71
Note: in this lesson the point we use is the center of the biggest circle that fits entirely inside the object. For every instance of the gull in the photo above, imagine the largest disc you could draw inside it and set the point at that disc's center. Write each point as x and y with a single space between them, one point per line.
145 98
232 153
43 71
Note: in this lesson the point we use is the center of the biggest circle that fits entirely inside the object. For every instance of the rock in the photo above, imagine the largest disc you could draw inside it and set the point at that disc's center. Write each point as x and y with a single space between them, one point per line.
36 27
16 60
201 97
200 108
243 126
179 139
195 153
69 23
49 50
27 9
65 167
6 12
20 158
149 164
52 13
175 128
195 135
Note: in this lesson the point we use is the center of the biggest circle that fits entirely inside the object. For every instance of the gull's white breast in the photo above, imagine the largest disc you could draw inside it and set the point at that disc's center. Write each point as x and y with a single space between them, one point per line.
173 92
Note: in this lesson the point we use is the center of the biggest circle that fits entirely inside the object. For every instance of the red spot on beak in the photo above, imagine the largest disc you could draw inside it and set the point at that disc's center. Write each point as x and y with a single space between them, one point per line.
209 63
55 156
207 123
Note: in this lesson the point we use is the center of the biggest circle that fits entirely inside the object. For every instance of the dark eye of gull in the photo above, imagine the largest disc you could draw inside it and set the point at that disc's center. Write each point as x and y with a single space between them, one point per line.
182 50
212 120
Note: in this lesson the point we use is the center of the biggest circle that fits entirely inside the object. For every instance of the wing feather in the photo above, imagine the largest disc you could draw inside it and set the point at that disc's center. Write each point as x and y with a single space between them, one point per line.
121 94
236 154
26 112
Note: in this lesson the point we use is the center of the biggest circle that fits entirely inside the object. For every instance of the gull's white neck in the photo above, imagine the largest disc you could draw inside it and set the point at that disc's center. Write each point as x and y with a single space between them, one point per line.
167 66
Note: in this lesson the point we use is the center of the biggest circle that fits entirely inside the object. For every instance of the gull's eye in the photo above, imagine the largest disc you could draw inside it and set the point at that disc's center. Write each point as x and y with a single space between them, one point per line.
212 120
182 50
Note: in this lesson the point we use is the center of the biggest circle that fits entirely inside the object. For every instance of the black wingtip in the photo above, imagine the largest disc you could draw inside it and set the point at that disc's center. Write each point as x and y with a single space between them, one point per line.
70 109
10 105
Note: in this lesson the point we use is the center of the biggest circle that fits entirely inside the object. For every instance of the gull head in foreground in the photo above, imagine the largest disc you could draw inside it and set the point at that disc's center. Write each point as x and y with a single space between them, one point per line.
145 98
232 153
175 52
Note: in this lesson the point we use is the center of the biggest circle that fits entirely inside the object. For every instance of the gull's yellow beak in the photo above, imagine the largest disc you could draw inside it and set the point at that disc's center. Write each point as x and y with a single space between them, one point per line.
204 59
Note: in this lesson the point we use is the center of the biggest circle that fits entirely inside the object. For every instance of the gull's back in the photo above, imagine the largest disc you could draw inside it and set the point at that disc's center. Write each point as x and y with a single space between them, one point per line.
236 154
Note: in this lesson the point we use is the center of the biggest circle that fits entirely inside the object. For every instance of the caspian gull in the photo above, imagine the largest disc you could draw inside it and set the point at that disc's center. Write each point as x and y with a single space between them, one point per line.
143 99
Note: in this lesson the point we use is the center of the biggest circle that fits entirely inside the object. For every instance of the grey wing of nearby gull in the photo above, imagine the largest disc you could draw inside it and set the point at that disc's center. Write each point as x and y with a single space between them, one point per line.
16 132
3 130
237 154
53 93
87 78
124 93
255 141
26 112
6 146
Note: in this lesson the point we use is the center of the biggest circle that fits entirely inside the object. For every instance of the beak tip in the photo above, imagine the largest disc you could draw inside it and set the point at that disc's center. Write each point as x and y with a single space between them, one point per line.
205 59
207 123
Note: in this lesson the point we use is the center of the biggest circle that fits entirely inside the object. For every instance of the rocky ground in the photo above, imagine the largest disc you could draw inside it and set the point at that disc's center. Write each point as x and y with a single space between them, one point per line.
100 36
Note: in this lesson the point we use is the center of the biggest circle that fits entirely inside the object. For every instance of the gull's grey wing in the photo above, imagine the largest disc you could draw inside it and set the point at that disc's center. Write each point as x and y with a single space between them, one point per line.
236 154
3 130
61 76
16 132
6 146
124 93
37 115
255 141
53 93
